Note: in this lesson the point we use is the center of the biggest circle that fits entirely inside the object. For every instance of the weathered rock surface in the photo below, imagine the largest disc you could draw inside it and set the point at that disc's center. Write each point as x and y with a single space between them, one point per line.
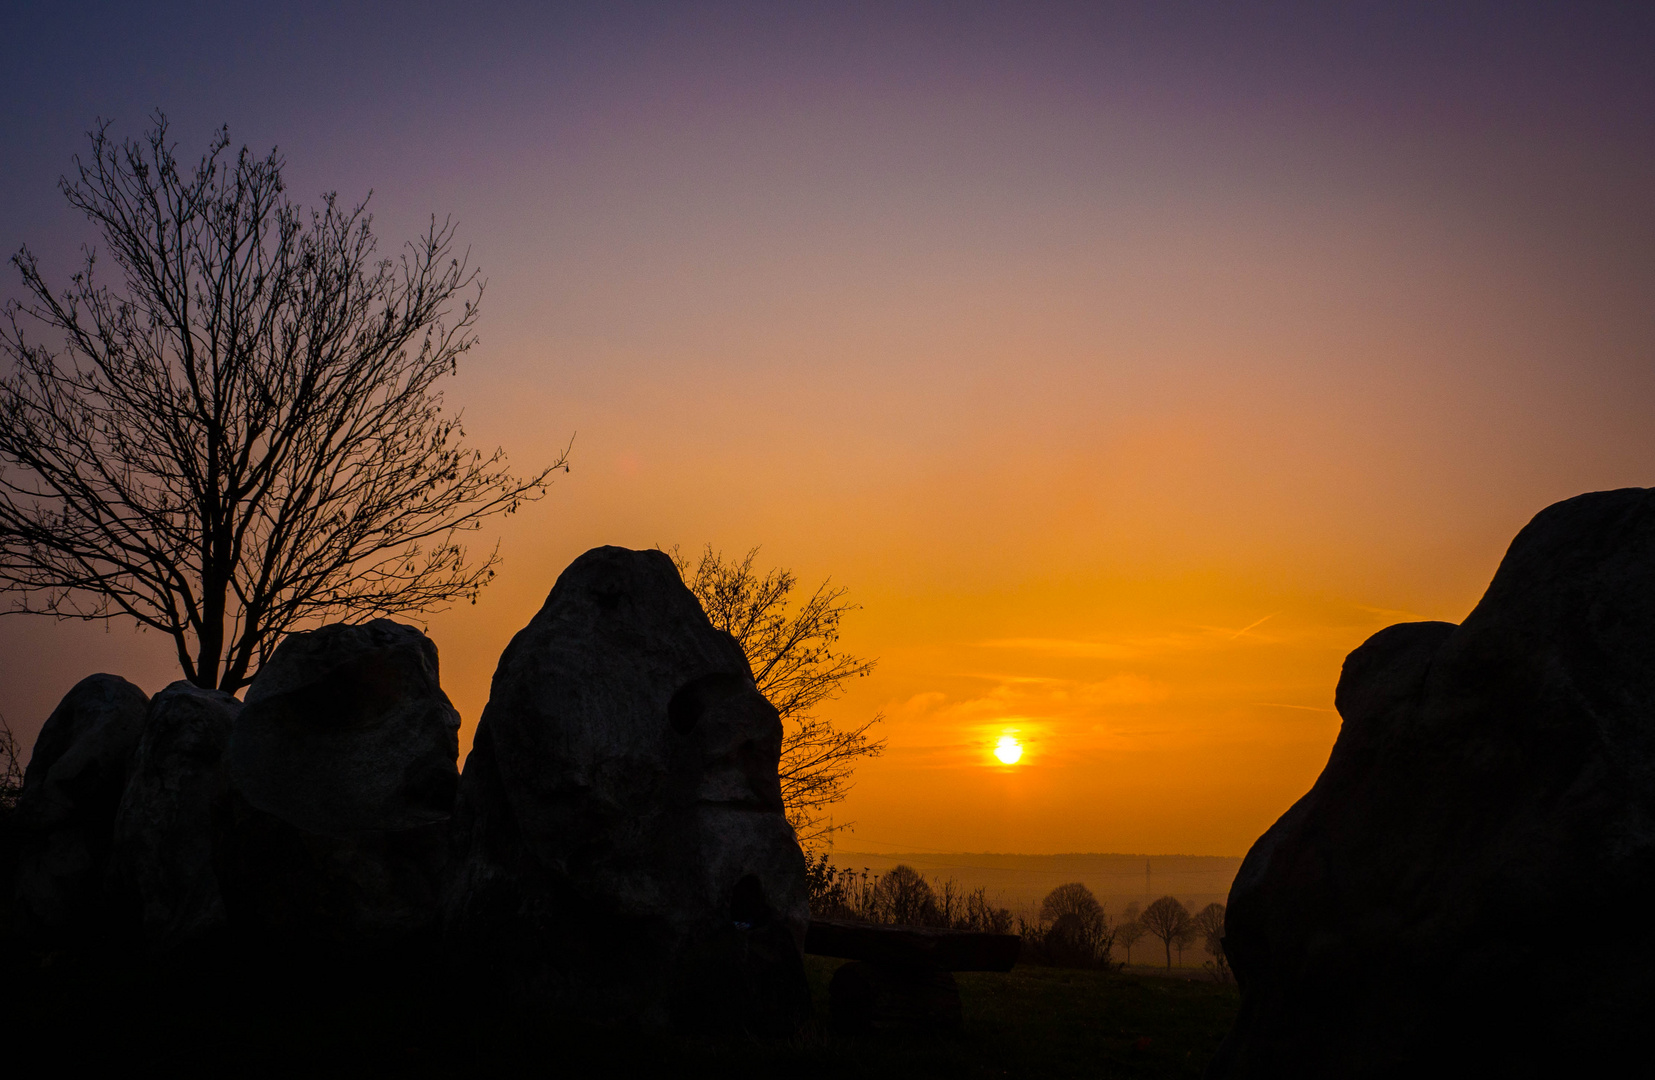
1492 783
343 774
622 844
162 865
66 812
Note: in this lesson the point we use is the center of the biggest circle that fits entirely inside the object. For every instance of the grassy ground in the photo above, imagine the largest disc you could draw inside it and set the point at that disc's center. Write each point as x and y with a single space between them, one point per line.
1031 1022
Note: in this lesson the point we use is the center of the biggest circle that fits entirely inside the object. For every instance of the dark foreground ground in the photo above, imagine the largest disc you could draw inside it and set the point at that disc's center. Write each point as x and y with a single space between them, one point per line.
1031 1022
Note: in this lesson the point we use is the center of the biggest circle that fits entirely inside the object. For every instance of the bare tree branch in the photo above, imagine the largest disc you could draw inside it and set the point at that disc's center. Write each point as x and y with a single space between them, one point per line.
245 435
797 665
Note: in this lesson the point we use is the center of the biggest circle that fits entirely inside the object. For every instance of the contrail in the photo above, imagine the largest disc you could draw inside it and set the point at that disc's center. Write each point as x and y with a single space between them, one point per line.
1250 626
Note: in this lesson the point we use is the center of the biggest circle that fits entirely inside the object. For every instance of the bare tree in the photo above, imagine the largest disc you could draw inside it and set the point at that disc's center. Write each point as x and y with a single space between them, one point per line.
11 786
1209 926
1168 920
11 768
244 434
903 897
797 664
983 915
1079 931
1071 899
1128 932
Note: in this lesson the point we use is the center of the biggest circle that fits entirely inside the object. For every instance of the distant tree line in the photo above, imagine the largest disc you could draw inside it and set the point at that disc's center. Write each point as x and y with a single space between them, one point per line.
1069 929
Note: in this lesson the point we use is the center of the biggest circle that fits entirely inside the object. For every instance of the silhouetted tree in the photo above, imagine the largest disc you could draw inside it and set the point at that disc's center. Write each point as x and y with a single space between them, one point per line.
797 665
983 916
1077 932
1128 932
11 768
11 786
1209 925
243 433
904 897
1074 898
1168 920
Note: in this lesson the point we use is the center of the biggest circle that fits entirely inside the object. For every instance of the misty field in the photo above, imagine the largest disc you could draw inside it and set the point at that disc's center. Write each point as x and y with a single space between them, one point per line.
1031 1022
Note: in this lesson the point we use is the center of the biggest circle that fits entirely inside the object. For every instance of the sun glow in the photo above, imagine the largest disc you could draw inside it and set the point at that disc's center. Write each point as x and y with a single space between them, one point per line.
1008 750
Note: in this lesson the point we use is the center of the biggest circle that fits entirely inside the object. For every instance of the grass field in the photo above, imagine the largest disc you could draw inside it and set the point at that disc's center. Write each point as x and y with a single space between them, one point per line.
1030 1022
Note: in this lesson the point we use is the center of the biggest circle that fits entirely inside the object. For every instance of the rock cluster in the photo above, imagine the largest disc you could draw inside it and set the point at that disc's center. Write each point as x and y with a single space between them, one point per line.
1493 782
616 845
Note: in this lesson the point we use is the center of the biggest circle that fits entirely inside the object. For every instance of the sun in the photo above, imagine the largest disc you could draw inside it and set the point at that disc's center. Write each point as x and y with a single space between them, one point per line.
1008 750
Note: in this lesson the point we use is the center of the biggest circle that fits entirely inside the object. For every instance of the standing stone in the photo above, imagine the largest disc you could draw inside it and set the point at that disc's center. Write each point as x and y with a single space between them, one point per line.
66 812
624 848
164 834
343 775
1461 889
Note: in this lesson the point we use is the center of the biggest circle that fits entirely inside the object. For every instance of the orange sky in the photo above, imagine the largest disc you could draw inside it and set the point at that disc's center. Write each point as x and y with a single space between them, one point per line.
1127 388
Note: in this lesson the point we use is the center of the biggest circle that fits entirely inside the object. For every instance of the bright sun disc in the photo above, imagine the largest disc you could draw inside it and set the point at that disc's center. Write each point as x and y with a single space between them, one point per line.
1008 750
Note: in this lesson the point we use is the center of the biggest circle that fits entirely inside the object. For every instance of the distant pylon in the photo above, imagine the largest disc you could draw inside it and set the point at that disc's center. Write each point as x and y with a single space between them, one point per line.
1146 880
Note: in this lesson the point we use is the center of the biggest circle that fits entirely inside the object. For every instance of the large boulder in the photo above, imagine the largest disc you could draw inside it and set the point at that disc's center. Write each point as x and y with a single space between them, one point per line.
164 834
342 775
1461 887
66 812
623 847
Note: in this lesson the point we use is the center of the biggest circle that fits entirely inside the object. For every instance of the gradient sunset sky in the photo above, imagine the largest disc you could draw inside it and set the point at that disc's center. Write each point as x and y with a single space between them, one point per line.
1130 364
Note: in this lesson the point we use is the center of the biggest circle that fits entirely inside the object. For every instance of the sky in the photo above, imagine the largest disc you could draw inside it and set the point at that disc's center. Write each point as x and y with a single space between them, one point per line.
1129 364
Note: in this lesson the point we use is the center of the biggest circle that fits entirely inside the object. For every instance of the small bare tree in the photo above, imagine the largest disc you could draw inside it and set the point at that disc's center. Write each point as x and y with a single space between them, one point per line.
11 768
1209 926
11 786
245 433
1128 932
797 664
1168 920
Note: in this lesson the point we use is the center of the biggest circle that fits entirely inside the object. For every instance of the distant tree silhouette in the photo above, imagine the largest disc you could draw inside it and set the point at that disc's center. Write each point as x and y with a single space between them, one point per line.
1077 932
984 916
797 664
11 786
1168 920
1128 932
243 433
1074 898
1209 925
11 768
905 898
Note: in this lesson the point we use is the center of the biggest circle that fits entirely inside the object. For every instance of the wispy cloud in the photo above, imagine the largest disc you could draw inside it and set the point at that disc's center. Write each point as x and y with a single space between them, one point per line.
1102 650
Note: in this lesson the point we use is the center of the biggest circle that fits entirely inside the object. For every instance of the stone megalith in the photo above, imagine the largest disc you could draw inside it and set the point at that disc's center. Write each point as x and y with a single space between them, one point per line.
1491 796
342 772
162 865
622 844
66 812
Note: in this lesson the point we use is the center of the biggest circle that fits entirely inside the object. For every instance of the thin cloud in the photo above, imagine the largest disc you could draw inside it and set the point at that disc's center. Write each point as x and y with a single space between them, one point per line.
1103 650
